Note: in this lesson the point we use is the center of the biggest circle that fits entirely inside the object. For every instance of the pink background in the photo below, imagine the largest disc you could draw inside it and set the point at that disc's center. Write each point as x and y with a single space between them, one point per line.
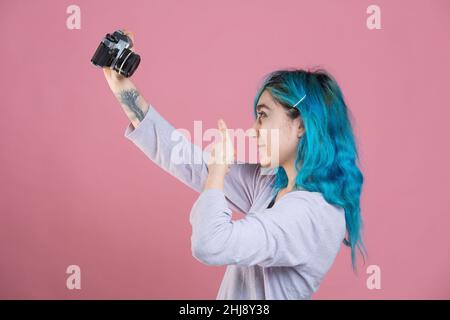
75 191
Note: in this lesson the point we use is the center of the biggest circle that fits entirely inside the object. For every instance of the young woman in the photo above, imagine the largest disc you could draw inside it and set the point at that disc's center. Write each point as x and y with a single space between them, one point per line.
296 219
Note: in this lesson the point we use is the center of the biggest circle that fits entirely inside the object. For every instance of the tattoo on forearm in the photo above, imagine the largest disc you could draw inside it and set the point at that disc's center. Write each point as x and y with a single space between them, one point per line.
129 98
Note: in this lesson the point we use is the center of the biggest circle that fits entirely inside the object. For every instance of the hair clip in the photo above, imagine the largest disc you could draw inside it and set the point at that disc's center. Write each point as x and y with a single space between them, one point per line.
299 101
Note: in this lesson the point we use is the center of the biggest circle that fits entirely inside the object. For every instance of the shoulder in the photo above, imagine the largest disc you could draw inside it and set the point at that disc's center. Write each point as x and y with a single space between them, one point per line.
313 208
312 200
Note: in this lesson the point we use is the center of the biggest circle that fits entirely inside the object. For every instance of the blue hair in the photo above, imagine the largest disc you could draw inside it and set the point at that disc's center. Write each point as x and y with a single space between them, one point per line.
327 156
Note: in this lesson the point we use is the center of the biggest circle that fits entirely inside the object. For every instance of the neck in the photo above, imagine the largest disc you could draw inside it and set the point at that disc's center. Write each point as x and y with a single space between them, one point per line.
291 173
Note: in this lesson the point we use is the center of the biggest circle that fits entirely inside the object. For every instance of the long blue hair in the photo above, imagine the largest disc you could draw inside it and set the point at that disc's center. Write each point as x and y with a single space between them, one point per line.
327 156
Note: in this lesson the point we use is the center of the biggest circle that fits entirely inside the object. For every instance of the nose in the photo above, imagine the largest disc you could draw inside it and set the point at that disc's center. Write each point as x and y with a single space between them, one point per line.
254 130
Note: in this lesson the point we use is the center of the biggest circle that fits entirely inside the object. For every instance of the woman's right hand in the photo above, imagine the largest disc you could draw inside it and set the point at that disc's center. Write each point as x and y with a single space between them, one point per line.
113 77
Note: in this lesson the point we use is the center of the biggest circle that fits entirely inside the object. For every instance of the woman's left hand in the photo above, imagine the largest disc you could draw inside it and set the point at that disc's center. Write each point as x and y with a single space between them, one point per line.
222 156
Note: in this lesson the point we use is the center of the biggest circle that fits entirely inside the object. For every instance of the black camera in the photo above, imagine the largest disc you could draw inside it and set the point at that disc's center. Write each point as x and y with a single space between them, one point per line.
114 52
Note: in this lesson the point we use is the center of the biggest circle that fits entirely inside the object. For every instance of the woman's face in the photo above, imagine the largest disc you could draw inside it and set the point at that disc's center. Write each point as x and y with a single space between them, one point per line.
277 134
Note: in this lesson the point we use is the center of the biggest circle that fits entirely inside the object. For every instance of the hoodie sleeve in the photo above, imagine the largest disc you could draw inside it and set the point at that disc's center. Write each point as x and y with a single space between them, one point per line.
172 151
288 234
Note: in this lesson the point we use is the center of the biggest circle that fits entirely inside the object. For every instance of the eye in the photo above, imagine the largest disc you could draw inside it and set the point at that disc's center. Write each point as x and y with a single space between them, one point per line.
261 114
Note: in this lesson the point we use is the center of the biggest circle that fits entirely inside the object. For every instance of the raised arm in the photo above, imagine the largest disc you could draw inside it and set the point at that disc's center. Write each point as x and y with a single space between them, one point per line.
129 97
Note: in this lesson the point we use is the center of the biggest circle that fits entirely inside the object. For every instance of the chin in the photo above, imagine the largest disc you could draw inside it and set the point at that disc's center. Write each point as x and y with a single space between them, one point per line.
266 163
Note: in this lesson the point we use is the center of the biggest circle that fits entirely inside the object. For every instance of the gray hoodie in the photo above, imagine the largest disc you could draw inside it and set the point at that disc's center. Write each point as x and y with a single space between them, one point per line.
282 252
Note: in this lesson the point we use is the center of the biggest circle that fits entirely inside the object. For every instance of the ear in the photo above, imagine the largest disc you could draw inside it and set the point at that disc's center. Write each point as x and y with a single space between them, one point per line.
300 132
300 127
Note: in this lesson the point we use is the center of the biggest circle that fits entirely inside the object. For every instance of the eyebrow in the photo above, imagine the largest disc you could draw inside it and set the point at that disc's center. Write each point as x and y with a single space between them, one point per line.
262 105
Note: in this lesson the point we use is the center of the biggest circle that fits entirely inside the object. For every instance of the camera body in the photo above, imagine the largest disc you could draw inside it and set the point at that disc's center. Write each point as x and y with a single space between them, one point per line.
115 52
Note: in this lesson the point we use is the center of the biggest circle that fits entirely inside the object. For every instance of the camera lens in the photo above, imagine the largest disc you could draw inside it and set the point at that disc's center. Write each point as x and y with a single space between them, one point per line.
127 63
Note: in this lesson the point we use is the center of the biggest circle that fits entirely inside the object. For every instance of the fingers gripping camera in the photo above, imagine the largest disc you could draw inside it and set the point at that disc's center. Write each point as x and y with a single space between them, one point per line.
115 52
